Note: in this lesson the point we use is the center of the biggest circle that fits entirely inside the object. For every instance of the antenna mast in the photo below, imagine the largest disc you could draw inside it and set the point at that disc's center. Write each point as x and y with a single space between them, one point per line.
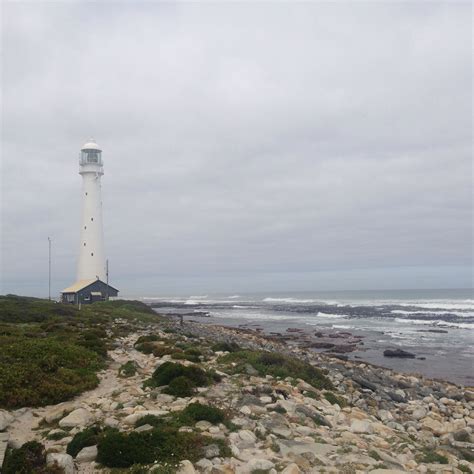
49 268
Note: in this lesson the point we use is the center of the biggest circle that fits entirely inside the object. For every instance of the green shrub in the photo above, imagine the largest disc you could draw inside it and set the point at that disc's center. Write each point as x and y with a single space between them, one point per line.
180 387
161 444
464 468
278 365
430 457
29 459
160 351
375 455
117 449
178 356
129 369
334 399
57 435
168 371
35 372
225 347
151 420
86 437
193 351
198 412
145 347
149 338
94 341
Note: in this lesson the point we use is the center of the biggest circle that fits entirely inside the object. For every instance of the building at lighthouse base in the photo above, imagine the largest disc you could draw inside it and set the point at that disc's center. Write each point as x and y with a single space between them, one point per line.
87 292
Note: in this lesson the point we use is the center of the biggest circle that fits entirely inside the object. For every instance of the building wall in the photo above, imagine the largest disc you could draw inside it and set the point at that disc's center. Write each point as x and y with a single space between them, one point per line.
84 296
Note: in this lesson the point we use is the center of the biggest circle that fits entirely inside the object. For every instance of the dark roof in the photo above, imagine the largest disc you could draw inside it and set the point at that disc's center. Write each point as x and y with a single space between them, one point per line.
83 284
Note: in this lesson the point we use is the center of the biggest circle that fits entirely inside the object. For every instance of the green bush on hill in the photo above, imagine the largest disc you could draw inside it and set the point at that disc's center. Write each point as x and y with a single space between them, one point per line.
50 352
181 387
278 365
87 437
162 444
129 369
199 412
28 459
46 371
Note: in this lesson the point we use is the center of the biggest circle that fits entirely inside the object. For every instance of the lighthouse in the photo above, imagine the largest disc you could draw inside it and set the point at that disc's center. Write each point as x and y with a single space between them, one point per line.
91 262
92 276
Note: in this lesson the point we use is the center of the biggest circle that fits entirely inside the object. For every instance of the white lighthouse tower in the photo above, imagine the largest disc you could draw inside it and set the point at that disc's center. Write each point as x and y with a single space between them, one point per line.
91 263
92 282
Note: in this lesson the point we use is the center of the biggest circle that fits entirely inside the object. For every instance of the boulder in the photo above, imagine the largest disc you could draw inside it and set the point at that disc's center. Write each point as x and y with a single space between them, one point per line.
361 426
80 417
433 425
398 353
64 461
203 425
291 469
186 467
5 419
419 413
288 446
57 412
247 437
260 464
211 451
87 454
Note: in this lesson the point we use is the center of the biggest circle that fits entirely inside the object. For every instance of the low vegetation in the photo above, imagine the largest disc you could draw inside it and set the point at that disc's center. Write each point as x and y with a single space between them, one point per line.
431 456
129 369
164 443
44 371
51 352
277 365
28 459
87 437
181 380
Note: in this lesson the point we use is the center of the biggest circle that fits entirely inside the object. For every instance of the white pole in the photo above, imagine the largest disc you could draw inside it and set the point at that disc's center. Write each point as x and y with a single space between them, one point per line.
49 268
107 275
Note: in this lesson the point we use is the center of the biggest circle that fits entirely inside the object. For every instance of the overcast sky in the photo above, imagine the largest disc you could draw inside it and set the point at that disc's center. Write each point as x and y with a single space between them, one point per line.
247 146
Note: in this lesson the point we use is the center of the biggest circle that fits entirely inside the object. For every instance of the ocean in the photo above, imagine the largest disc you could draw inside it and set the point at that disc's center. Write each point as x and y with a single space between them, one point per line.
436 325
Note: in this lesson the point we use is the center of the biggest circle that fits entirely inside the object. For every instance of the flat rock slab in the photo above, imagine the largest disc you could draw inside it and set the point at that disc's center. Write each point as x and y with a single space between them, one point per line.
299 447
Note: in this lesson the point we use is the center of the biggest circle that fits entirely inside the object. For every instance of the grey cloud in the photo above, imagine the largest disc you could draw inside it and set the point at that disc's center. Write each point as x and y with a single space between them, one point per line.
247 140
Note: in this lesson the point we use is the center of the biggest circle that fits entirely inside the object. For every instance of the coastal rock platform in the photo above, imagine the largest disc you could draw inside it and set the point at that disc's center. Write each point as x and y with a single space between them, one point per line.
373 420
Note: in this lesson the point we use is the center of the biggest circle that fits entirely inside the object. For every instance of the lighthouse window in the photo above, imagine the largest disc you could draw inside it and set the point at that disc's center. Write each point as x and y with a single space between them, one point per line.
86 194
84 244
92 218
85 227
92 254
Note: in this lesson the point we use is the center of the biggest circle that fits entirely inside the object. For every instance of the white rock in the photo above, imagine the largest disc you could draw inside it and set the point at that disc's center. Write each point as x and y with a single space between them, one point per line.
87 454
5 419
361 426
111 422
142 428
64 461
263 464
203 425
204 465
185 467
246 410
419 413
80 417
247 437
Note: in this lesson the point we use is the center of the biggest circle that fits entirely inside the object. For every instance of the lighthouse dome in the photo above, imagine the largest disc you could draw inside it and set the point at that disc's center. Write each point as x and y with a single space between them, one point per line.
91 145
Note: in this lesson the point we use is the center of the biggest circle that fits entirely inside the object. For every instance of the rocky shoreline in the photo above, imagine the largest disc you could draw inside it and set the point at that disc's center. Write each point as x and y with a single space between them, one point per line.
377 420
